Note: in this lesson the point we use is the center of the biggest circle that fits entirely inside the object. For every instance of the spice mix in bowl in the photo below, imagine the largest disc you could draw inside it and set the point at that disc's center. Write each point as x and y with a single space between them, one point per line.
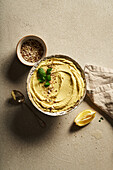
56 85
31 49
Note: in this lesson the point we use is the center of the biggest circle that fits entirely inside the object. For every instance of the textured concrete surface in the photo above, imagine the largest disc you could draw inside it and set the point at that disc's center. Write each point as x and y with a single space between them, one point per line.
82 29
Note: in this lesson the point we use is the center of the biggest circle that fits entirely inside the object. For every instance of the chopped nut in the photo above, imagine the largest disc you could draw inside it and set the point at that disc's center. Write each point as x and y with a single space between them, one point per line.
47 100
32 50
49 91
51 108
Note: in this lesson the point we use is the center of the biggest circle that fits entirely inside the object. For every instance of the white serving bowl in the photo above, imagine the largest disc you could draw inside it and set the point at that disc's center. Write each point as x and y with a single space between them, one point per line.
55 113
23 40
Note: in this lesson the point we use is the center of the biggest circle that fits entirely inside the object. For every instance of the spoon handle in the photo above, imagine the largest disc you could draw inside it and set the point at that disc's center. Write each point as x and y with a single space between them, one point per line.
40 121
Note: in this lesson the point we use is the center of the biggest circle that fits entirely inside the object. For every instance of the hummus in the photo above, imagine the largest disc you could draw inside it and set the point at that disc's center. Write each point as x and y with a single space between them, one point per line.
66 86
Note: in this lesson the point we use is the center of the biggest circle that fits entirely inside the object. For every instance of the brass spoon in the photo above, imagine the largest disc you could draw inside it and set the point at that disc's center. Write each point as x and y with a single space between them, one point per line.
19 98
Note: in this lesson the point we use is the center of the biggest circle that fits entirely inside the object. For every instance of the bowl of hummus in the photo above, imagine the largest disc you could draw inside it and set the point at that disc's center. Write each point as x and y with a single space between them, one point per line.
66 88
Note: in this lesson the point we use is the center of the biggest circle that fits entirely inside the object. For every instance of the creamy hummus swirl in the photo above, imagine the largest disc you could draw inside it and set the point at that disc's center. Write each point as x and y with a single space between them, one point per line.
66 86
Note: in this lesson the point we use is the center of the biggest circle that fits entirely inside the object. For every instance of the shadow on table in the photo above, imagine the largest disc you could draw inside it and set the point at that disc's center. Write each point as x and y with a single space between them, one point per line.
91 104
75 128
24 125
21 121
15 70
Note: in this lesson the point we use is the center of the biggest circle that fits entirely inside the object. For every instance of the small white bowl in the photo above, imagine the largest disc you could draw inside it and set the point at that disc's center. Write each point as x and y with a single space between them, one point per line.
20 43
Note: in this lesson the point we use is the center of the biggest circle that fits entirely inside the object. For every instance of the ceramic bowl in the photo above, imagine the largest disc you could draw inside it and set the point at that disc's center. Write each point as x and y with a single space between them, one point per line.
56 113
23 40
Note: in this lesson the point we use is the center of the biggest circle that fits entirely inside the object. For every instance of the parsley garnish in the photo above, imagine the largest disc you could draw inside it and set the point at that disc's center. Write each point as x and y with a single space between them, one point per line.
47 84
44 76
48 71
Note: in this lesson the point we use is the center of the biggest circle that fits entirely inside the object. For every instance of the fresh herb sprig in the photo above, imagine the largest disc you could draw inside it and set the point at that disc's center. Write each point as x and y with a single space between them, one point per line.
44 76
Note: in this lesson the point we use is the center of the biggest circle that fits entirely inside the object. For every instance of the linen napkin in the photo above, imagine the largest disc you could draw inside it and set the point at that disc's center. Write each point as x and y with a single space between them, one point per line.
99 82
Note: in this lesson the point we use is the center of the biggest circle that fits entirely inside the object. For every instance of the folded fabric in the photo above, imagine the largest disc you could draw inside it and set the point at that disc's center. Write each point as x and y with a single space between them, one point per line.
99 82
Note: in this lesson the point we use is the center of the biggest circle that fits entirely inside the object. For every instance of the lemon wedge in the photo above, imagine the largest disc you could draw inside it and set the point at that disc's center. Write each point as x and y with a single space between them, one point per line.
84 117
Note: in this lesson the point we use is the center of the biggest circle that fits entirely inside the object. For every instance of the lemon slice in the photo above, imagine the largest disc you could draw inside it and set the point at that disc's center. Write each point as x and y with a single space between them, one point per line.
84 117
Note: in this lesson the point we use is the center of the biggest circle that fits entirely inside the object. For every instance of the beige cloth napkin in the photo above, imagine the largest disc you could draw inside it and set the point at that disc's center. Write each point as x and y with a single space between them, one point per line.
99 82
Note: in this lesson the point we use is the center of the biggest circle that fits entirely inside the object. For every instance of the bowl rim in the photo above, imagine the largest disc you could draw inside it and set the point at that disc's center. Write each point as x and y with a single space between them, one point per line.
62 112
22 40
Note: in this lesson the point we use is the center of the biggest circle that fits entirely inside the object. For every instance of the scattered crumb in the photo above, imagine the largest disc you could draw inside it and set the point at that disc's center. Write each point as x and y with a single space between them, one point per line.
101 118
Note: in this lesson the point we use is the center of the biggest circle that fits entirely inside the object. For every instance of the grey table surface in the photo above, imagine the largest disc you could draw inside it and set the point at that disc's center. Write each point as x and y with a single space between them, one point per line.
82 30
